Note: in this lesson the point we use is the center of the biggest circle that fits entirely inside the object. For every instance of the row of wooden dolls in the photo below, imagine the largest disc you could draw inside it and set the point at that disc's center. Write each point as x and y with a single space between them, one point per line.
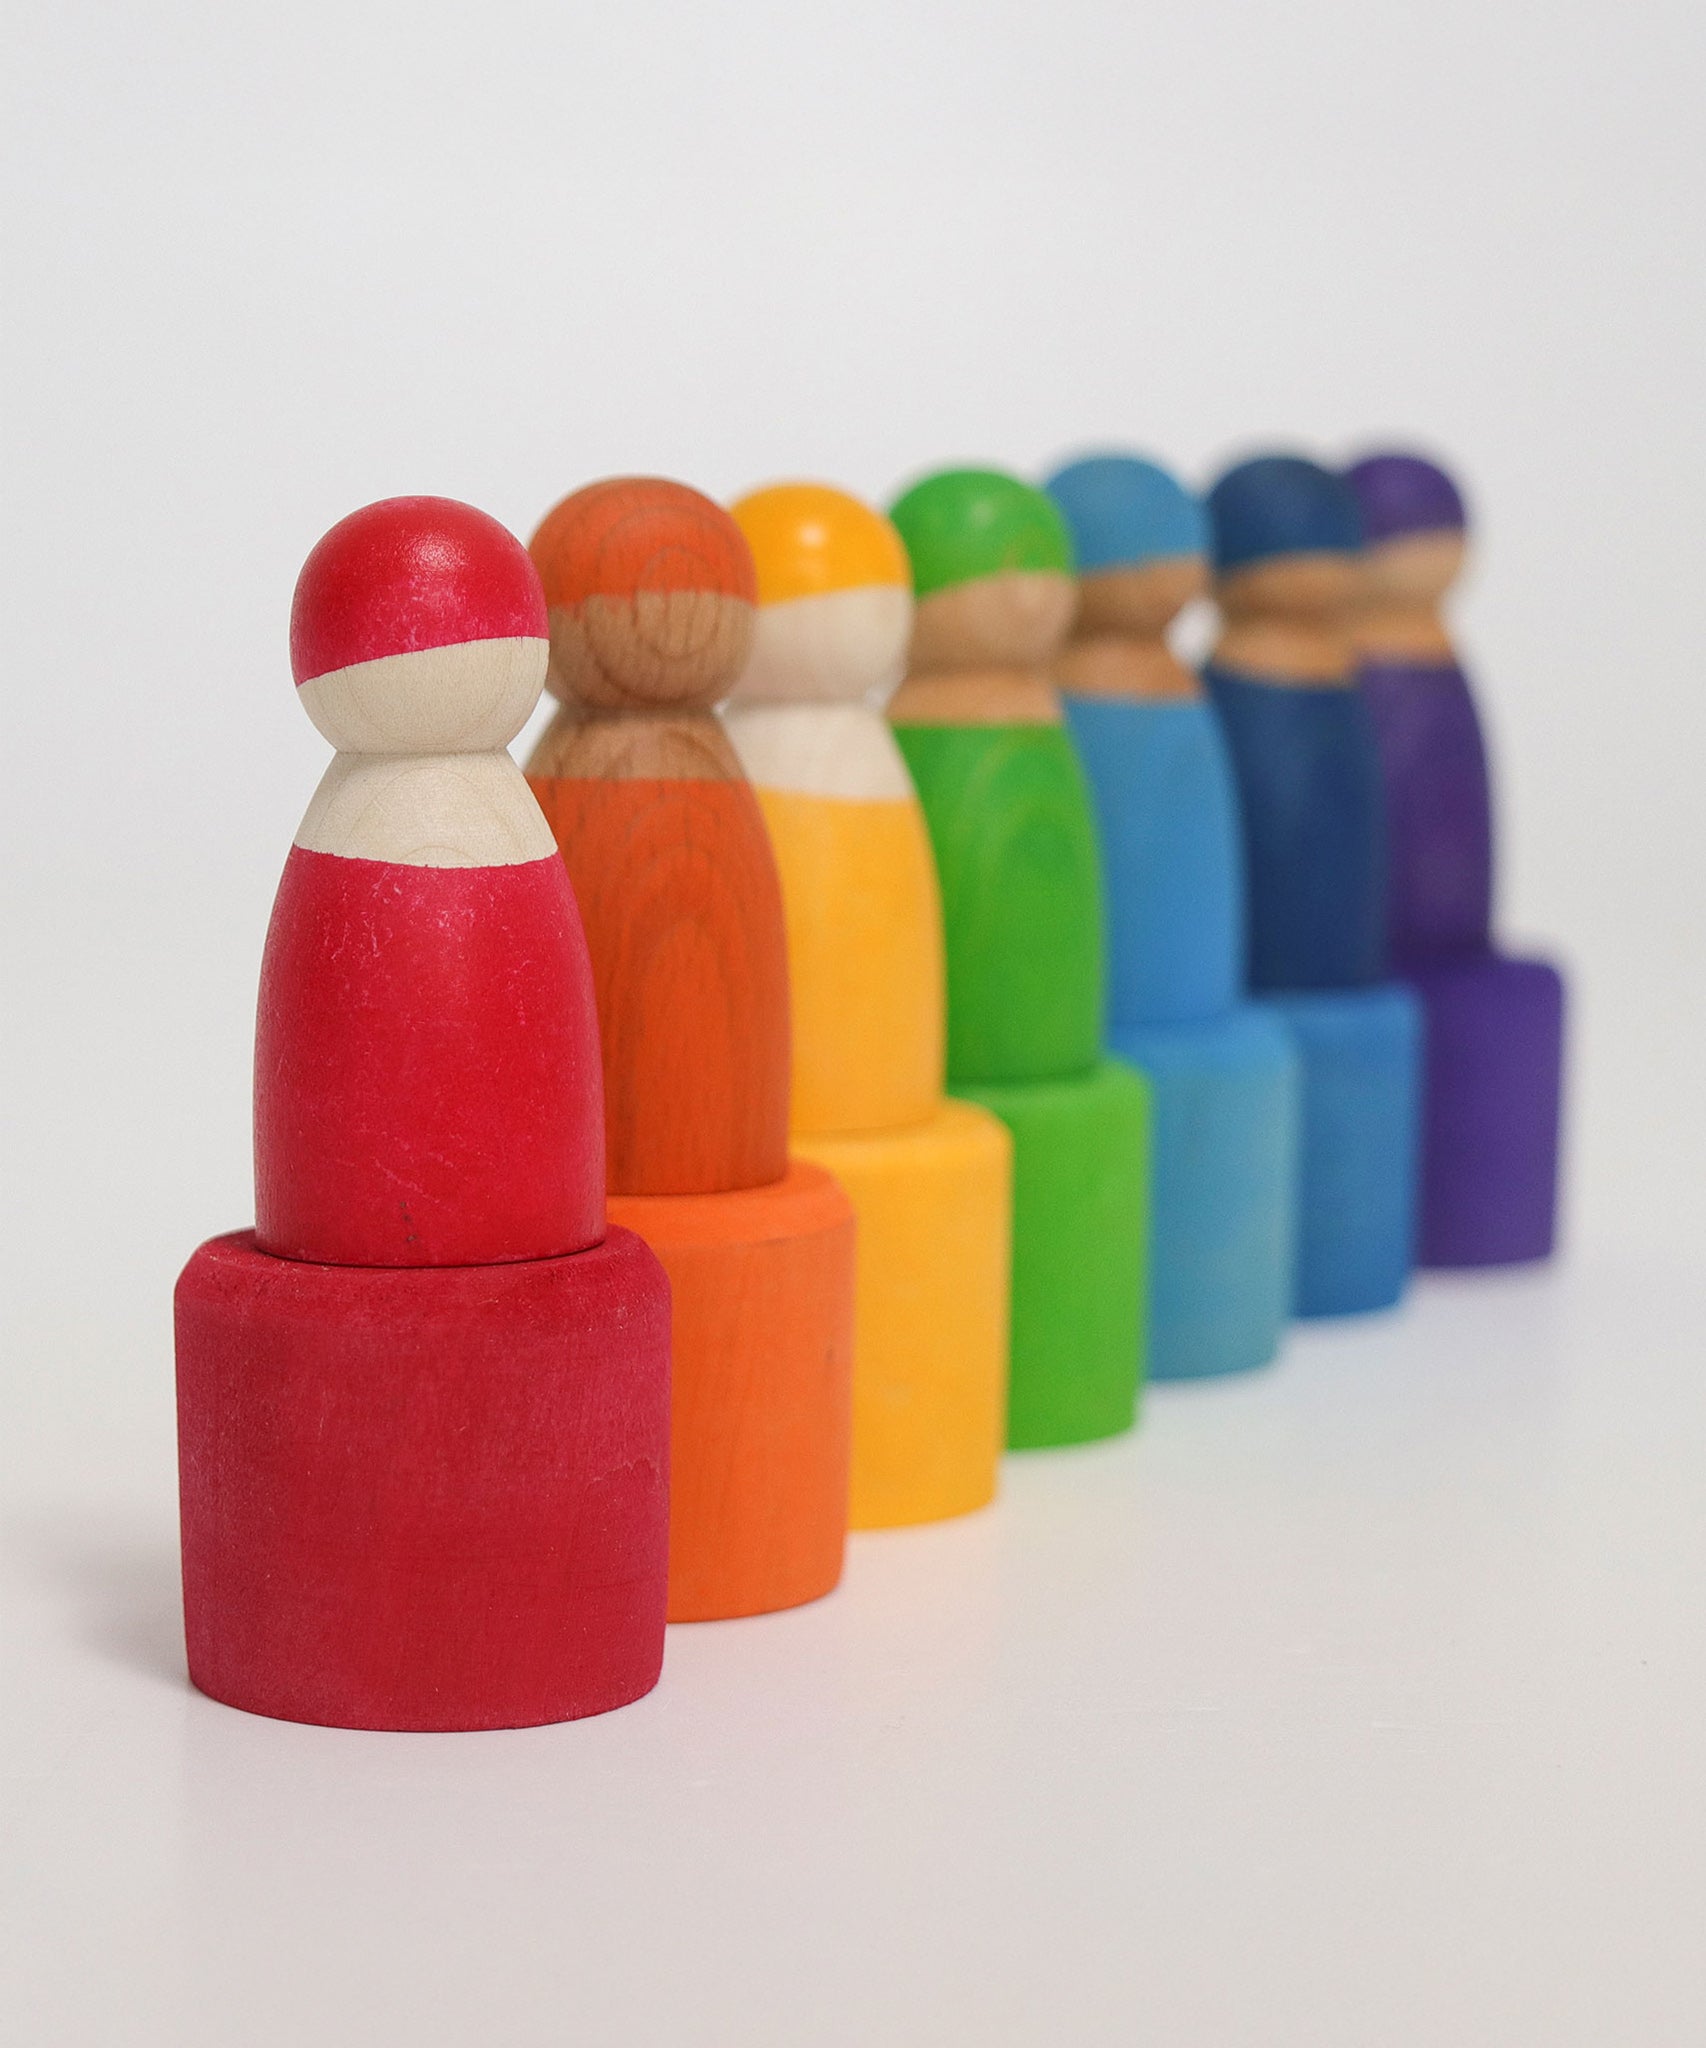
749 1132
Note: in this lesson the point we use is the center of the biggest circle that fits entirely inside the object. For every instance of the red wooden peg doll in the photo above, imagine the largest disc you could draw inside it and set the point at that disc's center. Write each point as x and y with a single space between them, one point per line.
423 1407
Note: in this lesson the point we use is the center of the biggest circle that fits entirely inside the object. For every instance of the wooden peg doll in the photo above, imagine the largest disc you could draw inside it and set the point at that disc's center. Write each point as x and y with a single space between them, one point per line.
1494 1024
979 724
1222 1072
651 589
1282 676
423 1406
929 1178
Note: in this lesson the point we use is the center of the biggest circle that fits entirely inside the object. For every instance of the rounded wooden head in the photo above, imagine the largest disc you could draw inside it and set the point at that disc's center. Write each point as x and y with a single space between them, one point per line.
992 570
418 627
834 595
651 590
1416 527
1286 534
1140 539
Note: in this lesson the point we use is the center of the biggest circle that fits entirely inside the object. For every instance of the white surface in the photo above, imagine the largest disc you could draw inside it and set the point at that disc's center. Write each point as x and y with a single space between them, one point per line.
1362 1703
1355 1703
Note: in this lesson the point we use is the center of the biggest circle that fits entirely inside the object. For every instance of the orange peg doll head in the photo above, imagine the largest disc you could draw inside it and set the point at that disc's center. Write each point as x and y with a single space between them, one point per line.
651 591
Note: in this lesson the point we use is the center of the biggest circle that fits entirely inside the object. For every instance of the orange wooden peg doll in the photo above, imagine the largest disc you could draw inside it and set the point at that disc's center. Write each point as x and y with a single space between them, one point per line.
651 590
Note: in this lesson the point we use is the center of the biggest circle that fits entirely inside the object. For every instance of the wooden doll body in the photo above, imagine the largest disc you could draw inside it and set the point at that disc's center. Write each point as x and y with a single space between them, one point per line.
930 1179
859 884
423 1407
980 726
650 588
1432 753
1283 680
665 845
1151 746
1494 1023
1222 1073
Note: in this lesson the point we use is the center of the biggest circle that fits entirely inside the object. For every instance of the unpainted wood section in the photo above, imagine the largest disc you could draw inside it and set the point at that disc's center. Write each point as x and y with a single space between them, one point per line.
1142 599
683 912
1400 587
461 699
838 647
1310 589
652 649
1122 665
977 697
827 750
1013 620
426 810
627 746
1402 636
1284 650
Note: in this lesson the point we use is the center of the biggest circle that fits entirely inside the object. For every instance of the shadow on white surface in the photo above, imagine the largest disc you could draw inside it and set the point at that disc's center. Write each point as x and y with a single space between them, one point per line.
110 1581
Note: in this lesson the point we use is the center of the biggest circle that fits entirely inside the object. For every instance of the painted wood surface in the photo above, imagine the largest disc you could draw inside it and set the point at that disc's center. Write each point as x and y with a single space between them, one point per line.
930 1182
650 589
423 1458
1494 1053
1287 535
1015 848
1080 1251
426 1044
1011 827
424 1499
1222 1074
865 960
1302 744
683 912
762 1286
427 1078
934 1206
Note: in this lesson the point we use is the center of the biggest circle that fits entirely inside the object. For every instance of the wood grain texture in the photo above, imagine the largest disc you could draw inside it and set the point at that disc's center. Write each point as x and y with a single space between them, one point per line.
424 1500
650 587
683 911
423 1409
1010 822
934 1208
864 925
427 1087
679 746
426 810
445 700
762 1288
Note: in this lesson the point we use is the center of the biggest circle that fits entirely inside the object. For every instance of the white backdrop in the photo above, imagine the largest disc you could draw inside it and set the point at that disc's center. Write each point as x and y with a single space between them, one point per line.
264 265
